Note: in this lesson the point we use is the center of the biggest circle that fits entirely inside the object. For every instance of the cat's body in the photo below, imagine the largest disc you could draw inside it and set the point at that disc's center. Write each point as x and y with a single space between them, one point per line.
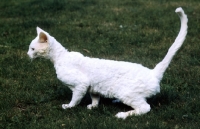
131 83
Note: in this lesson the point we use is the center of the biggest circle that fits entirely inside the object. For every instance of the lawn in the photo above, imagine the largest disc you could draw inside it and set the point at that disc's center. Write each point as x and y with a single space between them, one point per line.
139 31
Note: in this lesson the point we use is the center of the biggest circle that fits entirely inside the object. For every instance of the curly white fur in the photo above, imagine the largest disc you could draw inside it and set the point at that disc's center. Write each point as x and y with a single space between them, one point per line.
130 83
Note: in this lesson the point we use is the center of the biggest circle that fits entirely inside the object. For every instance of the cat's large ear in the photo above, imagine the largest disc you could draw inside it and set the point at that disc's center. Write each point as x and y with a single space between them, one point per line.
42 36
39 30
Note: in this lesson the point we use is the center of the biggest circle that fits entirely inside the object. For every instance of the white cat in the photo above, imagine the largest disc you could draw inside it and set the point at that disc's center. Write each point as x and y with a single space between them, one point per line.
130 83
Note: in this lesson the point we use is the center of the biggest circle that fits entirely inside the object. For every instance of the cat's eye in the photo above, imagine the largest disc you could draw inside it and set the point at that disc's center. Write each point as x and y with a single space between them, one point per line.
32 49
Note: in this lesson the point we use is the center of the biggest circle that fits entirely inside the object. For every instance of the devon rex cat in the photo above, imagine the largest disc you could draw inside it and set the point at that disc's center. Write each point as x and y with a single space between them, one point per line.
130 83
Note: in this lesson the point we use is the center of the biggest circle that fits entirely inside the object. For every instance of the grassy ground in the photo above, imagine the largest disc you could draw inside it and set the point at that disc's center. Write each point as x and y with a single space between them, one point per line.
138 31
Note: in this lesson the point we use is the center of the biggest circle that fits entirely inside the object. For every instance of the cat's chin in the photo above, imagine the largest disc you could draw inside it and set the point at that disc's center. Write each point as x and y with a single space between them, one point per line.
31 58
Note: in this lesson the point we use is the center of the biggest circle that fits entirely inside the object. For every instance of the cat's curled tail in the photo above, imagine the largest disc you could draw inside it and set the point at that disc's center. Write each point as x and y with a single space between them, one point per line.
162 66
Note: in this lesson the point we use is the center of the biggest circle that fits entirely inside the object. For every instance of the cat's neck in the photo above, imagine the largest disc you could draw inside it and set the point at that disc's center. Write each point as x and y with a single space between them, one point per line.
56 50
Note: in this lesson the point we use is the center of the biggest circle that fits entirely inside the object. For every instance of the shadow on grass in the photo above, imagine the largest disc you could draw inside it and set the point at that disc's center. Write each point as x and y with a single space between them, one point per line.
164 98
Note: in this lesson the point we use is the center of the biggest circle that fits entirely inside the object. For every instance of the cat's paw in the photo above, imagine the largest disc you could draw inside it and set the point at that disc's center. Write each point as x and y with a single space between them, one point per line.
90 106
65 106
121 115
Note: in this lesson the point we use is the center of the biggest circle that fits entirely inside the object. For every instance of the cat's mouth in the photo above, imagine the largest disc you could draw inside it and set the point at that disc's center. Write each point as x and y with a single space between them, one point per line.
31 57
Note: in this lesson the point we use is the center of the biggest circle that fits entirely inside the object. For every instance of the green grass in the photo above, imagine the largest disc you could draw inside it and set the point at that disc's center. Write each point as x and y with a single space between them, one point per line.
31 96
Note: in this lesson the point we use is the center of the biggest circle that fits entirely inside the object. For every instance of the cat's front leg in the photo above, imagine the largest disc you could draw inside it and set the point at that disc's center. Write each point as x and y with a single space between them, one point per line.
76 98
95 101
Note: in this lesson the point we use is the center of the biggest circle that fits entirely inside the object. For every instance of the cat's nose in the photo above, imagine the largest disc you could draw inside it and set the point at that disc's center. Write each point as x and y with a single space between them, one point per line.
28 53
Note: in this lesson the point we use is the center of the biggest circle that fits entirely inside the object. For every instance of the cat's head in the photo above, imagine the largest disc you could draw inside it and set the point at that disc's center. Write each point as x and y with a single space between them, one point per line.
39 46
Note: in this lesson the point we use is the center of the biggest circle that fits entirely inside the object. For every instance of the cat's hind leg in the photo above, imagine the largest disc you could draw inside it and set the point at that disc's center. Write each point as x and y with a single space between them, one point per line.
140 109
95 101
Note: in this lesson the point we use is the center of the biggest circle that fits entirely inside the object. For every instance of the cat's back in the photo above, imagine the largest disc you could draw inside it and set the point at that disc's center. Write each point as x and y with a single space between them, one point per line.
111 68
